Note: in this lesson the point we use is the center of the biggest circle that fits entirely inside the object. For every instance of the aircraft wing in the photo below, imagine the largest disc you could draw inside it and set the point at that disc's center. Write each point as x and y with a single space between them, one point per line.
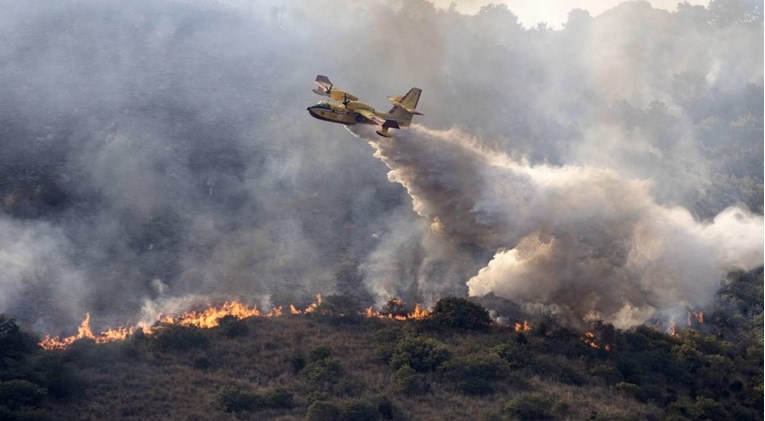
369 115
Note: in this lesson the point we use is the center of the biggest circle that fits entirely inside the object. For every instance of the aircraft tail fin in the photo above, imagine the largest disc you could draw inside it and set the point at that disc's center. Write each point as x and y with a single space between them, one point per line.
404 107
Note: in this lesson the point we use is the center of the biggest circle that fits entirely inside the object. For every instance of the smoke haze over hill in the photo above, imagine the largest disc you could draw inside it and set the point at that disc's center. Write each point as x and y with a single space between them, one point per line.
155 150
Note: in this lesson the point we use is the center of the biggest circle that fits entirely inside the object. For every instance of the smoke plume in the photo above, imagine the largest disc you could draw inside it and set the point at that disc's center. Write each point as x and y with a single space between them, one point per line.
587 240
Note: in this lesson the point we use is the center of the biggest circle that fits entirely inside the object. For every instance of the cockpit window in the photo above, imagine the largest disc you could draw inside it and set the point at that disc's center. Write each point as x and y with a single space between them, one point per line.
323 105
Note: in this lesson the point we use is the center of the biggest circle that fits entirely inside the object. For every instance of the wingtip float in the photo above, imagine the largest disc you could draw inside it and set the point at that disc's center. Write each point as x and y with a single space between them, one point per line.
345 108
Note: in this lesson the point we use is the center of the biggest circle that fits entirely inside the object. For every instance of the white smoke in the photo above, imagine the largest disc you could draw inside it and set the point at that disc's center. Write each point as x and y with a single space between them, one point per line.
587 240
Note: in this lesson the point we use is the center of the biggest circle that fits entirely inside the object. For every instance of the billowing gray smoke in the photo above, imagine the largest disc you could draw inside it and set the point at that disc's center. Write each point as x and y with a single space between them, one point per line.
157 152
584 239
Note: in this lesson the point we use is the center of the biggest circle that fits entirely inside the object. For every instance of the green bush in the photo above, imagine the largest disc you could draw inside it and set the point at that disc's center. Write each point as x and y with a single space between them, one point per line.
487 367
358 410
201 362
455 312
338 306
608 373
319 353
385 407
476 387
410 380
517 356
179 338
475 373
351 410
297 361
323 411
239 400
700 409
15 394
530 406
630 389
232 327
60 378
14 344
323 371
421 354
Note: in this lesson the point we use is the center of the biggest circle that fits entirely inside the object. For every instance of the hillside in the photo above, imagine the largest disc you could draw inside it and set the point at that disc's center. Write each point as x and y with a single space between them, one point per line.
454 364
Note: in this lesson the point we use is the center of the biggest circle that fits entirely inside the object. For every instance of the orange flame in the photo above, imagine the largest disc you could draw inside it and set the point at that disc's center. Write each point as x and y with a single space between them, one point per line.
418 313
589 339
84 331
311 308
672 329
699 317
522 327
205 319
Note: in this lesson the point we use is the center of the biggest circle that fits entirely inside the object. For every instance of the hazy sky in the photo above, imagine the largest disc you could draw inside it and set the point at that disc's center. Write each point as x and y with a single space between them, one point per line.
554 12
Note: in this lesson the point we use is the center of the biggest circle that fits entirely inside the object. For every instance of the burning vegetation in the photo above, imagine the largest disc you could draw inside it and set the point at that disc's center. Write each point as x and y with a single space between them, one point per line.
211 316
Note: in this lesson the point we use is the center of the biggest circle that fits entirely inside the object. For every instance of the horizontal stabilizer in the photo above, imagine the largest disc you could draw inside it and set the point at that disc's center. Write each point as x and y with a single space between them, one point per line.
323 82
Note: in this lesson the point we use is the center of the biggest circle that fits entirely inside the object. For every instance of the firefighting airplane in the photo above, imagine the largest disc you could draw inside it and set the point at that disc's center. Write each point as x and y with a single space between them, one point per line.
348 110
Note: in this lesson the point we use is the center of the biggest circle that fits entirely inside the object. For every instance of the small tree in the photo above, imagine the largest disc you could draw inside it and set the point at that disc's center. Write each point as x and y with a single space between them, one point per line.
421 354
455 312
338 306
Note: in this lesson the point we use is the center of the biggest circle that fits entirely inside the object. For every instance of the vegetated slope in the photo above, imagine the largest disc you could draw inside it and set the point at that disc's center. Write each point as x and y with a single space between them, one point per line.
453 365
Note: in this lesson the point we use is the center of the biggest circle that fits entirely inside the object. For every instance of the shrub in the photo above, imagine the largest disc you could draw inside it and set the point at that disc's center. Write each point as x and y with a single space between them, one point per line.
421 354
487 367
338 306
201 362
14 344
410 381
326 374
358 410
530 406
608 373
179 338
238 400
297 361
16 394
61 380
319 353
385 407
477 387
394 307
630 389
517 357
475 373
323 411
352 410
455 312
232 327
569 375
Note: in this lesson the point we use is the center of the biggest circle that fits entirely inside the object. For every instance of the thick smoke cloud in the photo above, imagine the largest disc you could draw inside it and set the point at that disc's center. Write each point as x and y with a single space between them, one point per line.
586 240
154 152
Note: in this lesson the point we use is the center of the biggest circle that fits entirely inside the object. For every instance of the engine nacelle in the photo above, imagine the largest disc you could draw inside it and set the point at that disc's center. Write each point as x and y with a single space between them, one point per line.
355 106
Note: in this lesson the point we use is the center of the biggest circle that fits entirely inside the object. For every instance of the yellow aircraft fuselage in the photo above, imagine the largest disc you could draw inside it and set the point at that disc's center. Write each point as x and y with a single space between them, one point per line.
348 110
340 113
